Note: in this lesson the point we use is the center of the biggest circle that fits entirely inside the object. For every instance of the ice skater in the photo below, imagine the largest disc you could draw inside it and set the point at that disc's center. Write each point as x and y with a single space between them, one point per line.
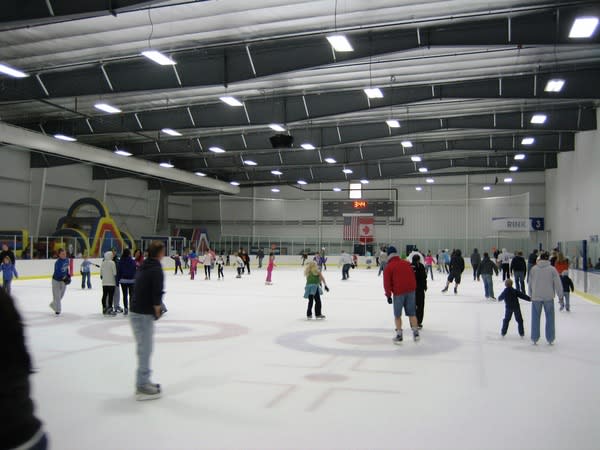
8 272
475 261
346 263
260 255
270 266
568 287
457 267
207 261
108 273
193 264
400 284
511 297
504 259
239 262
61 278
485 271
312 290
177 260
518 268
421 277
86 273
429 262
220 266
126 271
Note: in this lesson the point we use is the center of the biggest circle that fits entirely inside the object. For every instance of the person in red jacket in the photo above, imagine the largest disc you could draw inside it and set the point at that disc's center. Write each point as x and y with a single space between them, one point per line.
400 285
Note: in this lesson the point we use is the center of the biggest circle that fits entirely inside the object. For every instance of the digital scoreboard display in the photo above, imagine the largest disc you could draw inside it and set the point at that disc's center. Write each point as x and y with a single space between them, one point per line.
337 208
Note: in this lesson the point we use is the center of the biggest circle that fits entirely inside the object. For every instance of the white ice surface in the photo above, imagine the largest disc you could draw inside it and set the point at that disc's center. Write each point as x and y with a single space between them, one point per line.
272 380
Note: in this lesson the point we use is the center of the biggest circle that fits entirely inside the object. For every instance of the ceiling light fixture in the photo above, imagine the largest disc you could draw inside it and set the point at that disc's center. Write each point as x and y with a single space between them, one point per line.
12 72
423 169
539 118
528 141
519 156
347 171
275 190
234 183
308 146
200 174
64 137
373 92
364 181
249 162
171 132
487 188
231 101
216 150
430 180
277 172
393 123
415 159
513 168
302 182
107 108
406 144
508 180
337 189
122 153
583 27
276 127
166 165
555 85
330 160
340 43
158 58
419 188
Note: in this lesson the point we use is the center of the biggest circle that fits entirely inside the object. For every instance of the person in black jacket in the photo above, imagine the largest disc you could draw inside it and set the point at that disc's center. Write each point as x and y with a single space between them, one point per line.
486 270
518 268
457 267
146 307
475 261
20 427
511 300
531 261
421 276
6 251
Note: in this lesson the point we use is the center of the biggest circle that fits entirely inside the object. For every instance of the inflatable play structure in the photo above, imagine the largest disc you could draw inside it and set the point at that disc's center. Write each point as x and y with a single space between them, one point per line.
197 237
89 224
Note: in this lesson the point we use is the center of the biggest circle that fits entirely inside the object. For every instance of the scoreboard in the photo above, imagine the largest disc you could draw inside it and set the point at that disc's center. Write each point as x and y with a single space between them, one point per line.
379 208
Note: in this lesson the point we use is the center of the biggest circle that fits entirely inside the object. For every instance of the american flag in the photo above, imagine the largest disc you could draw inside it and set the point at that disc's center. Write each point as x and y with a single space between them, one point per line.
351 232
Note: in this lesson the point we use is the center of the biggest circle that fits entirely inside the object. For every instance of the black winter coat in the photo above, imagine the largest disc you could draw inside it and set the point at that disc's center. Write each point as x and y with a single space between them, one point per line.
421 276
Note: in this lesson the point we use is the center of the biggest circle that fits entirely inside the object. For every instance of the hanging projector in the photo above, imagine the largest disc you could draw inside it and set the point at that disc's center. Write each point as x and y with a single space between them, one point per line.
281 141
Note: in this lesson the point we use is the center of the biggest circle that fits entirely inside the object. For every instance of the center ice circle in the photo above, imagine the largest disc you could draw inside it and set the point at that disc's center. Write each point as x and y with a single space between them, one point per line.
363 340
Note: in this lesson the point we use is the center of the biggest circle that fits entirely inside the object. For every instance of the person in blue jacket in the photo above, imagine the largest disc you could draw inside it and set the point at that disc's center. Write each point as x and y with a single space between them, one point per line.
86 274
126 271
60 279
8 272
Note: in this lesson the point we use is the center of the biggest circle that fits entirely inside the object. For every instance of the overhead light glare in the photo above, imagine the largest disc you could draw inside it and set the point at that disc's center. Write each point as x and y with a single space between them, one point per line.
231 101
347 171
158 58
555 85
166 165
275 190
302 182
508 180
12 72
364 181
234 183
340 43
276 127
487 188
539 118
583 27
171 132
107 108
122 153
406 144
337 189
415 159
249 162
393 123
330 160
200 174
216 150
520 157
277 172
373 92
64 137
423 169
418 188
513 168
430 180
527 141
307 146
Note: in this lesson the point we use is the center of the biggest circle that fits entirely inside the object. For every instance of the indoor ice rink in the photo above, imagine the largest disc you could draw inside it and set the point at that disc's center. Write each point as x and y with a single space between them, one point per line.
293 134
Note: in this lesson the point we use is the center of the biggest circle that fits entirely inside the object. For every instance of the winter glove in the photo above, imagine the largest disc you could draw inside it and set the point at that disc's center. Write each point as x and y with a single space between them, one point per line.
389 300
326 288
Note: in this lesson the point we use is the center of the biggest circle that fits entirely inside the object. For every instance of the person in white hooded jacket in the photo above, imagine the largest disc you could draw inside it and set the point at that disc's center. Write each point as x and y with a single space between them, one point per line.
544 285
108 273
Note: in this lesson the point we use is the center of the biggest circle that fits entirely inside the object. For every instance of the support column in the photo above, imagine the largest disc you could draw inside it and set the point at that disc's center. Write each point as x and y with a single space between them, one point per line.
162 222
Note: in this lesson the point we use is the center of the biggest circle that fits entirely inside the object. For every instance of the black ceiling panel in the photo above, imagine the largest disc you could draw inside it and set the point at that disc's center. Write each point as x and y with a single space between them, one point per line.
140 74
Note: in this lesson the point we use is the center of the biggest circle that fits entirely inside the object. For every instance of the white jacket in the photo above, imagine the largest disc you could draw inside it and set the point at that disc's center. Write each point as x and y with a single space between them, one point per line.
108 270
544 282
345 258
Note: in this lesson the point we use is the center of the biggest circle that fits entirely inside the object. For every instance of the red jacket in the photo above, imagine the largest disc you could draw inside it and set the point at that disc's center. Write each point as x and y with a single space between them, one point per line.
398 277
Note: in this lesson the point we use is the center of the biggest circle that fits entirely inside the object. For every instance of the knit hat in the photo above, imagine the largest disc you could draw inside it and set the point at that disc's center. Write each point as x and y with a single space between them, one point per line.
392 249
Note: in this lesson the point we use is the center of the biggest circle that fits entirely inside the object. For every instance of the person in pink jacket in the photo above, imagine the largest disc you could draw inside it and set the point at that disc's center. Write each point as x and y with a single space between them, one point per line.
270 267
429 262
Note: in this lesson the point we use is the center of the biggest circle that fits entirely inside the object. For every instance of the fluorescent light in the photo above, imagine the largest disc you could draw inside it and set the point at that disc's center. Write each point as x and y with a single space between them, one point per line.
231 101
166 165
302 182
415 158
406 144
364 181
64 137
337 189
539 118
347 171
308 146
508 180
276 127
340 43
583 27
216 150
159 58
171 132
528 141
555 85
107 108
275 190
12 72
330 160
513 168
122 153
234 183
520 156
277 172
430 180
200 174
249 162
373 92
419 188
487 188
393 123
423 169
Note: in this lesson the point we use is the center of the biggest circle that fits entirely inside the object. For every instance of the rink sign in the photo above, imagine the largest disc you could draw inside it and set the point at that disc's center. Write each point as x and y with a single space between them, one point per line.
518 224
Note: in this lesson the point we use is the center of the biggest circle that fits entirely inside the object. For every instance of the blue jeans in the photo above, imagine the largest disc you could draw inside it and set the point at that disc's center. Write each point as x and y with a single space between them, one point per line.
143 331
85 276
345 271
488 285
536 314
6 285
567 300
519 281
429 269
381 267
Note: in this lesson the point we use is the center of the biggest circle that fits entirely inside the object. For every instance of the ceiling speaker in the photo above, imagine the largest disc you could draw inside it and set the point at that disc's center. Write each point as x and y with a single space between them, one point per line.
282 141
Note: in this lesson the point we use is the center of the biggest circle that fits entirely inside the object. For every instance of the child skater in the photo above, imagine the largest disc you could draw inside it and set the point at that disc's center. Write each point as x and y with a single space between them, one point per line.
177 260
207 262
86 272
568 287
8 271
193 264
511 299
220 266
239 262
270 266
312 291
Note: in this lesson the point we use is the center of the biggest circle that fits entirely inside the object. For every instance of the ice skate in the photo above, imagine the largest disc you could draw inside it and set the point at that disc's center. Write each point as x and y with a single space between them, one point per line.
398 339
445 290
321 317
416 335
455 290
148 392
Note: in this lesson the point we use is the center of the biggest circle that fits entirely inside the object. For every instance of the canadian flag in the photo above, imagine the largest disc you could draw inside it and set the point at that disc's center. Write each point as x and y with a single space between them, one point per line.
366 229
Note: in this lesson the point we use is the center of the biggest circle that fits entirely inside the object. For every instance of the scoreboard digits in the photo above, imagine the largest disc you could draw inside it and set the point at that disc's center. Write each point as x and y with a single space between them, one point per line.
379 208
